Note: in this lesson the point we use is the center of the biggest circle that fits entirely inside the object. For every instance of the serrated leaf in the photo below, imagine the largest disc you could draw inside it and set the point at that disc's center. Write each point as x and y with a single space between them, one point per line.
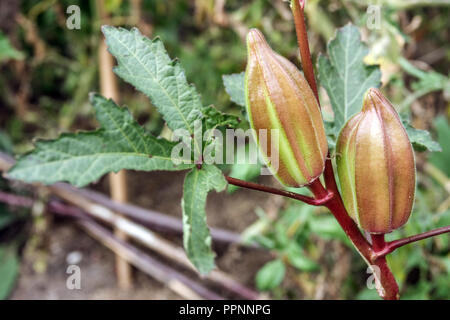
214 118
83 157
235 87
196 236
421 140
270 275
345 76
145 64
9 267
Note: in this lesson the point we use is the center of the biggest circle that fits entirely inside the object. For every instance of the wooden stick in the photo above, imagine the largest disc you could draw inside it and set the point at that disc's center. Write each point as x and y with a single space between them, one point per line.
151 240
134 230
119 246
176 281
150 218
117 181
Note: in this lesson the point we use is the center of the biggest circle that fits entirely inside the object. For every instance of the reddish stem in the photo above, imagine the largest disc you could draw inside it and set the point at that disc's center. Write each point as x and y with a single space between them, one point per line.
323 199
392 245
336 206
303 44
389 288
378 242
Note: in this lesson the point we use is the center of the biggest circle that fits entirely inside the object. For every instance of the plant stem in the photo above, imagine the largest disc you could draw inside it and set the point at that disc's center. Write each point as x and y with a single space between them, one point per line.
303 44
389 288
378 242
318 201
392 245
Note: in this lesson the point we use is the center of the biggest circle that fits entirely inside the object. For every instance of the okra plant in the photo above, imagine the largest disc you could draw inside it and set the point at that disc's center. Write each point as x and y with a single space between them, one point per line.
369 190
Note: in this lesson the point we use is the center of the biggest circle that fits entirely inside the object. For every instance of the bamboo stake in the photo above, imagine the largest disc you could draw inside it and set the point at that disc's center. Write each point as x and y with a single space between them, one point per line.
117 181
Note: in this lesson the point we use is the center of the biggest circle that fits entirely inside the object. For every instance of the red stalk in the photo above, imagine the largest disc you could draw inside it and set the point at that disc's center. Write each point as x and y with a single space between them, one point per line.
318 201
392 245
389 288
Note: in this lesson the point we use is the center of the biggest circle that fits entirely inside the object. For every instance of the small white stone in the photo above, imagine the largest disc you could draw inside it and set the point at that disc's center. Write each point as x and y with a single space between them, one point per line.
74 257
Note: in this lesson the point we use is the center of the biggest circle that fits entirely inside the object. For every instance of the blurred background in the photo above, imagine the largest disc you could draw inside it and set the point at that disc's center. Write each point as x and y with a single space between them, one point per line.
47 71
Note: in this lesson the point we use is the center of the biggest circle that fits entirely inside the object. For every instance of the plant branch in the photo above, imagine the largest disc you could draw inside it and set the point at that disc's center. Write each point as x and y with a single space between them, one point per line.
297 7
320 201
392 245
388 288
378 242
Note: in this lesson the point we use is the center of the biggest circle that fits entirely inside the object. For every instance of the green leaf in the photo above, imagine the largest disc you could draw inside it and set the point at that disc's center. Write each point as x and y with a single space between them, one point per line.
83 157
9 269
328 228
298 259
427 82
244 171
421 139
145 64
441 159
345 76
235 87
270 275
331 135
7 51
196 236
214 118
